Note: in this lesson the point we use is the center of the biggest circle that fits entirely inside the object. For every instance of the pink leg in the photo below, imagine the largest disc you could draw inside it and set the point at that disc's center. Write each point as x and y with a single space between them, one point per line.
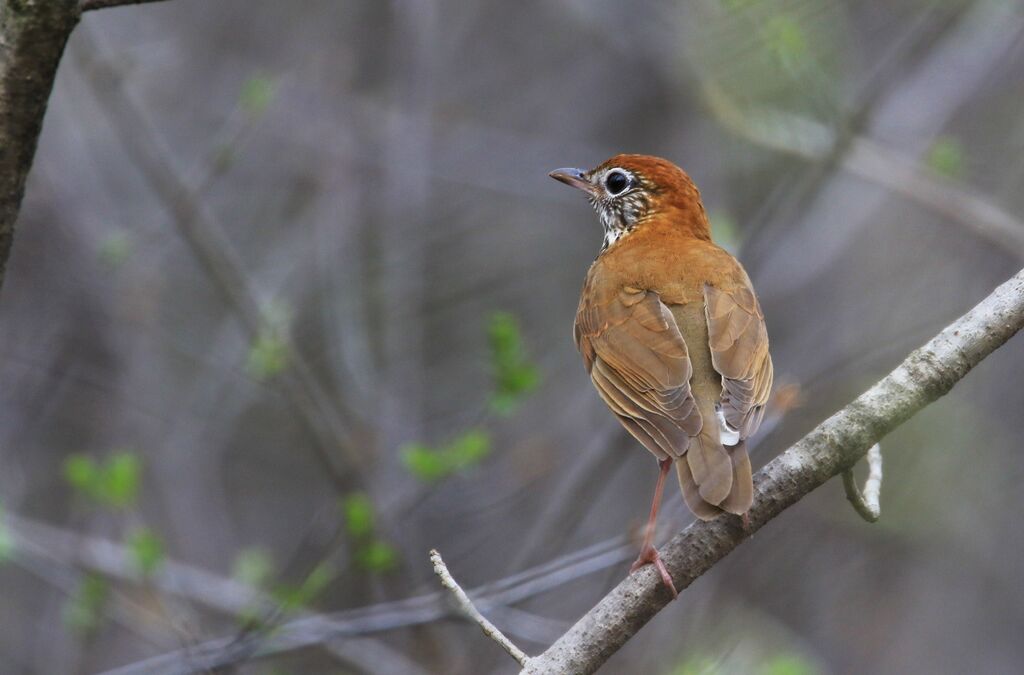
649 554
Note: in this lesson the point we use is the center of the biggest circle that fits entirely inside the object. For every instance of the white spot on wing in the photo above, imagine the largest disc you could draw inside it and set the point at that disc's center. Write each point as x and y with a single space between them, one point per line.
726 433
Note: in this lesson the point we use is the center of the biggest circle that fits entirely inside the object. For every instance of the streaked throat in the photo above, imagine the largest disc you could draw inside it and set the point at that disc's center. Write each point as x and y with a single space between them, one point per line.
618 217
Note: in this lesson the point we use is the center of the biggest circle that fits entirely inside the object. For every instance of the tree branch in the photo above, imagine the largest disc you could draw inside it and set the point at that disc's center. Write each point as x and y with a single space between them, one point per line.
341 434
834 446
220 653
32 38
89 5
874 162
41 542
467 608
866 503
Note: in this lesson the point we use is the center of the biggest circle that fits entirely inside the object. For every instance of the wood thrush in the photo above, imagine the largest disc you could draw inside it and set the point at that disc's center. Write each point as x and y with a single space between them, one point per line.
672 335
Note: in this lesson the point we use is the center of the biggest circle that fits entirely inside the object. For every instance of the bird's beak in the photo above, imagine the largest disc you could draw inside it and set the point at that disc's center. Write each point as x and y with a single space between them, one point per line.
574 178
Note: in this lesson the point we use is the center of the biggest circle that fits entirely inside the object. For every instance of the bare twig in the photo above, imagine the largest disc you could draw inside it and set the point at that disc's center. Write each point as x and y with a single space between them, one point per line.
467 608
89 5
338 429
831 448
41 542
811 140
305 632
866 504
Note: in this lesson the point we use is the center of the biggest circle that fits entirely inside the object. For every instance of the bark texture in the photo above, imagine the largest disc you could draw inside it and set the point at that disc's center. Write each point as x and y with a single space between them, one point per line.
32 38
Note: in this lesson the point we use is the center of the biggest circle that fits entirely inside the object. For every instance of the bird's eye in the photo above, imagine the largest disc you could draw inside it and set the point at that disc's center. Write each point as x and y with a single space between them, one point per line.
616 182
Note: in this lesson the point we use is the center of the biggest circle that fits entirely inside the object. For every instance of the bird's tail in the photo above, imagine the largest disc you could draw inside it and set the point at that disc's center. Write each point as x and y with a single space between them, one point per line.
715 478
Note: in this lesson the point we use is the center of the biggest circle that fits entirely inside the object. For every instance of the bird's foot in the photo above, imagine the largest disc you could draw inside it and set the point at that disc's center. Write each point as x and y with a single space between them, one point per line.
746 522
649 556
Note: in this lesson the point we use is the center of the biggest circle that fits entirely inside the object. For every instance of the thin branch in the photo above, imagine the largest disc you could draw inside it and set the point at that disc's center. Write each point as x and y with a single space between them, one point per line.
467 608
337 428
308 631
866 504
870 160
831 448
89 5
834 446
45 543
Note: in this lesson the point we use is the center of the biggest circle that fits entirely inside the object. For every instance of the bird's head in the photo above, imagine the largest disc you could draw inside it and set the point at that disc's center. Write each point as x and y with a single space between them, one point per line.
628 191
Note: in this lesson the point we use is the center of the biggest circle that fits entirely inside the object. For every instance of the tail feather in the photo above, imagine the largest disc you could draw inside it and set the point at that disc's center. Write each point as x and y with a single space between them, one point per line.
691 494
740 491
741 496
711 468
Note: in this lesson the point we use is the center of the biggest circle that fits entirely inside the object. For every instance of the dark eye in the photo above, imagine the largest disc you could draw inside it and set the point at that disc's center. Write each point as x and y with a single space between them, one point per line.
616 182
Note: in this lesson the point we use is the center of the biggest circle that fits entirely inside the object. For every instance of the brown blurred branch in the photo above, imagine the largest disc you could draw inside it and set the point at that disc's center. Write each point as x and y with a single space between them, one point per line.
32 39
40 541
338 429
494 597
870 160
834 446
89 5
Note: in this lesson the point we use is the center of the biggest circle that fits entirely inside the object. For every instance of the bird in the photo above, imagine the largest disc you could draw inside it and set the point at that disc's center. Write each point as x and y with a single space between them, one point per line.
673 336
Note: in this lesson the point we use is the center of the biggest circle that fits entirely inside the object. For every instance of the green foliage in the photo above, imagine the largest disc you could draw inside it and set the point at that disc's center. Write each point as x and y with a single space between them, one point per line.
424 462
83 611
270 353
432 464
7 545
946 157
514 375
268 356
370 553
377 556
696 665
113 483
298 597
788 664
779 664
358 510
253 567
468 449
786 41
115 249
257 94
147 550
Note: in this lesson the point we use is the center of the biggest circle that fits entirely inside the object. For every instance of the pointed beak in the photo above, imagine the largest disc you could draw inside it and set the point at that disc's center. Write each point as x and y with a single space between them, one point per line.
573 178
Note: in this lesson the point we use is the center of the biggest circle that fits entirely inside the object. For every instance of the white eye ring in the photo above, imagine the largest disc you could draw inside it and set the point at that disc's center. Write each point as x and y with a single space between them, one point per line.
617 182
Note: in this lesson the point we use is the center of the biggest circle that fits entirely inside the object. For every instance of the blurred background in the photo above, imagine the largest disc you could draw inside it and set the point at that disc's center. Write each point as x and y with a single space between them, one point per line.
291 297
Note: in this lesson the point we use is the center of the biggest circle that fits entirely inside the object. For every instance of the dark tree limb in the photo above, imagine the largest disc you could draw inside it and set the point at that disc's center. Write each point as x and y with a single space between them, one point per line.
32 38
89 5
831 448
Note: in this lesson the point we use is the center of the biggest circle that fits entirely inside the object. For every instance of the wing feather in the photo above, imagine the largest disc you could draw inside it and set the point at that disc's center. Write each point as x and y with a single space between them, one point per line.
640 366
739 353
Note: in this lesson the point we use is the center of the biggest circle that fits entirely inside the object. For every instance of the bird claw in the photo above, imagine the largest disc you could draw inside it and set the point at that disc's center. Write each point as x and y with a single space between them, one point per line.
649 556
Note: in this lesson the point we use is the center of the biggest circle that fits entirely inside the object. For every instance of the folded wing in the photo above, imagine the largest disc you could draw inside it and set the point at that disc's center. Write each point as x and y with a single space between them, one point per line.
639 364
